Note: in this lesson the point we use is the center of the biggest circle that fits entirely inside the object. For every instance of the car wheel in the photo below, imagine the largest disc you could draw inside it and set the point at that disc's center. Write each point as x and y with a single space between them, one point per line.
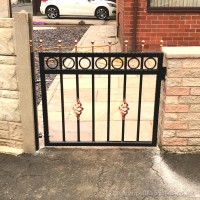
52 12
101 13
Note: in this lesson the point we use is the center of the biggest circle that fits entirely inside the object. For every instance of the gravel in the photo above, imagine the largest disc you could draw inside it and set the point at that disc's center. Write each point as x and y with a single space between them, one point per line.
50 40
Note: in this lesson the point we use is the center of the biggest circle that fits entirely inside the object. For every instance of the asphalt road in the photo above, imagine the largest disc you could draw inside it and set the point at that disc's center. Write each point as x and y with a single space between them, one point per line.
100 174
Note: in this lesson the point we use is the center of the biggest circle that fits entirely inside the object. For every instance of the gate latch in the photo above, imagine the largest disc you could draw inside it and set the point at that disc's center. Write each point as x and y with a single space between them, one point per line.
38 81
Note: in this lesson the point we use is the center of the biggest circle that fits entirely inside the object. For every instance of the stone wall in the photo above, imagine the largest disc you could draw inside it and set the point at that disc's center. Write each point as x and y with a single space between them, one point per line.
10 121
181 127
16 106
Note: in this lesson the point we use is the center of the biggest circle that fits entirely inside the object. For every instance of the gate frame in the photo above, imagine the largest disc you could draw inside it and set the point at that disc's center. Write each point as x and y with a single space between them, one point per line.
160 73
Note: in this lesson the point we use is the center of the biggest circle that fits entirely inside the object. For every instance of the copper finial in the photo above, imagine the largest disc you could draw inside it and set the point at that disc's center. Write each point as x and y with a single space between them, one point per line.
143 43
41 45
161 45
92 46
59 45
109 46
126 45
75 46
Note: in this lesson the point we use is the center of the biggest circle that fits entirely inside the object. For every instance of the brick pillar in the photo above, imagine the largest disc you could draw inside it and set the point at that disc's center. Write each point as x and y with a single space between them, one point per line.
181 120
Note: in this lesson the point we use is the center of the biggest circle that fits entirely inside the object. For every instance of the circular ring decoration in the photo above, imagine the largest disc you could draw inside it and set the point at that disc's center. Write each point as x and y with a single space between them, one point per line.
82 59
52 63
154 64
99 60
122 63
70 64
133 67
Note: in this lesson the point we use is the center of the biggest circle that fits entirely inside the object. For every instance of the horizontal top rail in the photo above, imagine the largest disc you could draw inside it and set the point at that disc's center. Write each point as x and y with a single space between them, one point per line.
101 54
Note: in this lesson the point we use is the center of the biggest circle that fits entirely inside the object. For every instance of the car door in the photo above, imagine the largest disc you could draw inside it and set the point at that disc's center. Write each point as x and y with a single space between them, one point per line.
66 7
85 7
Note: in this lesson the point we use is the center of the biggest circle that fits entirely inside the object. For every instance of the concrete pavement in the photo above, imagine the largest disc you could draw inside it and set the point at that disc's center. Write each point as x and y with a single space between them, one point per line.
99 174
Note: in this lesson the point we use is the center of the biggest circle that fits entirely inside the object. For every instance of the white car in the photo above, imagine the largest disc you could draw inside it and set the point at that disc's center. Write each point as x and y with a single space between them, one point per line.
102 9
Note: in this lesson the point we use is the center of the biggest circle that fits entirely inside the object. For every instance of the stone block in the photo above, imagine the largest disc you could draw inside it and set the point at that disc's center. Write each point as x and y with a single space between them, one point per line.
10 110
188 133
171 116
174 141
194 125
191 82
7 41
195 91
6 22
176 91
176 108
171 82
189 116
8 60
15 131
4 134
171 100
191 63
181 149
169 133
183 73
4 125
195 108
8 79
175 125
189 99
9 94
194 141
11 143
175 63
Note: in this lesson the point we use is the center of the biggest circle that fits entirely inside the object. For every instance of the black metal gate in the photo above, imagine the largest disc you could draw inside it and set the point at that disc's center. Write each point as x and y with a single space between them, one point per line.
109 64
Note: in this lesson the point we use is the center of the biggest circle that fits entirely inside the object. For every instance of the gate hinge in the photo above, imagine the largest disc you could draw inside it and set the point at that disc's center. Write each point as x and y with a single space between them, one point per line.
163 73
40 135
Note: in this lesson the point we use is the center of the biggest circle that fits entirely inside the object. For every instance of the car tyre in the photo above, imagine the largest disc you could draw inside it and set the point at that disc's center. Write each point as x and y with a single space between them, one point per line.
52 12
102 13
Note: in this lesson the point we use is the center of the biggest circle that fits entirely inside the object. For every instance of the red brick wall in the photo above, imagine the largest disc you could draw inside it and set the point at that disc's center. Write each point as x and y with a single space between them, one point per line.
175 29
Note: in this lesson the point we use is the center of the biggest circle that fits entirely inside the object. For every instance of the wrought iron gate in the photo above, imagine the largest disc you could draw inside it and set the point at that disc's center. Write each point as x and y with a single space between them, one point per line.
107 64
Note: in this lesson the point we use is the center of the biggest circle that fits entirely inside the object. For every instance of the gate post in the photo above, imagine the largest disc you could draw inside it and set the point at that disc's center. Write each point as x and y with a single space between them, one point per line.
180 132
22 45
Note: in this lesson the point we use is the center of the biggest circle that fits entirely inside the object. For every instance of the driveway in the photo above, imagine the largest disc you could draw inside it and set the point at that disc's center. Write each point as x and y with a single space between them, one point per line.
112 173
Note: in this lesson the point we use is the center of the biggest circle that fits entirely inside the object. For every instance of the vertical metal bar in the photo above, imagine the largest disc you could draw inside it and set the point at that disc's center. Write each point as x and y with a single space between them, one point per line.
139 102
77 98
77 90
34 97
44 100
157 100
109 86
62 94
93 103
124 89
